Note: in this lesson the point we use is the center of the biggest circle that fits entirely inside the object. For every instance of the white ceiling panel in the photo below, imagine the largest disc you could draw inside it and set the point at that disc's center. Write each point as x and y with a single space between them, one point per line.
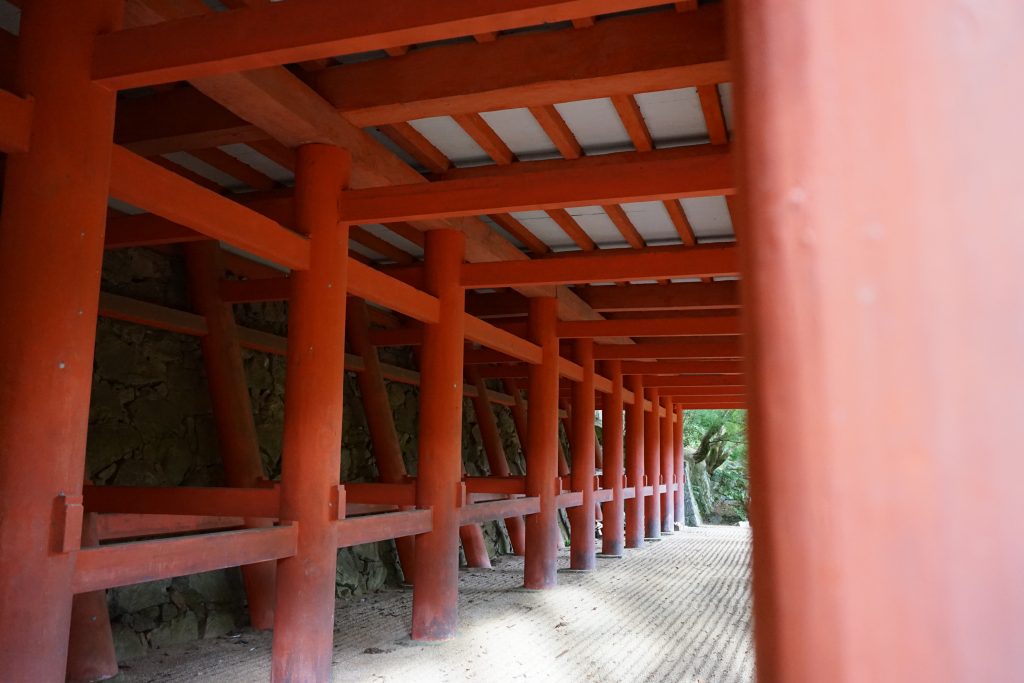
598 226
652 222
454 143
725 93
546 229
673 117
596 125
10 17
709 217
521 132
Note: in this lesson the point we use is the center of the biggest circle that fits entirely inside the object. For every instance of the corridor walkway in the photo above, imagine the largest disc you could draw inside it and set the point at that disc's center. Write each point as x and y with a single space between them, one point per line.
675 611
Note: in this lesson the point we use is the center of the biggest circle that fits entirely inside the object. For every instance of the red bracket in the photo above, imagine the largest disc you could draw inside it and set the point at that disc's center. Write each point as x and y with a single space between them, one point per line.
68 521
339 502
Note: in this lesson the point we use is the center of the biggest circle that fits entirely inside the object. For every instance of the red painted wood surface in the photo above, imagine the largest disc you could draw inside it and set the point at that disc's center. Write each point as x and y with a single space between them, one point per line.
542 533
581 519
435 593
51 244
614 472
652 465
311 459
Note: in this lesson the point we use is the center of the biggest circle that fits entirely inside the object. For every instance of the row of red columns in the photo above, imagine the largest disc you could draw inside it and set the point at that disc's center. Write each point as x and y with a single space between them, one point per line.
44 398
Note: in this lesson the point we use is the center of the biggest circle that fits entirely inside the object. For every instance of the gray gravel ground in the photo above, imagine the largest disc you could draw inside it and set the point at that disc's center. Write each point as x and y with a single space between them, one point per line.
677 610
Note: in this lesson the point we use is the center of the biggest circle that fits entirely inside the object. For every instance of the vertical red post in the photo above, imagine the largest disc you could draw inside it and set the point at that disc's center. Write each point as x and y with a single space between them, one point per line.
635 464
232 410
680 466
495 451
668 462
652 466
613 470
439 476
311 464
91 655
380 419
542 534
582 546
51 251
882 279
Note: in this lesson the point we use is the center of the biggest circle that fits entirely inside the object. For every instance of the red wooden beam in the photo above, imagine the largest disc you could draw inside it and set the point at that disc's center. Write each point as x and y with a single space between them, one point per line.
637 177
118 526
212 501
693 380
683 367
122 564
280 33
146 185
388 493
498 509
651 327
679 350
677 296
373 285
608 265
642 53
16 126
370 528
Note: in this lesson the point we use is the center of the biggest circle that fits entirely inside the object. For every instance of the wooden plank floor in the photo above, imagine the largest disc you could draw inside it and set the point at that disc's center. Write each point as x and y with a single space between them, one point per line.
677 610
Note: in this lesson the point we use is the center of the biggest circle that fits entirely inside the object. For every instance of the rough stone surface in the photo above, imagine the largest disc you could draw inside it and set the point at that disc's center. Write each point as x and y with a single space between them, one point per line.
151 424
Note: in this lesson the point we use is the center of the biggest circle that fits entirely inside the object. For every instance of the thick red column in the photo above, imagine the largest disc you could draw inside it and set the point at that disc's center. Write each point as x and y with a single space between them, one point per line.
51 251
232 409
91 655
652 466
635 463
613 470
380 419
883 281
311 463
668 468
496 458
439 475
542 534
582 546
679 506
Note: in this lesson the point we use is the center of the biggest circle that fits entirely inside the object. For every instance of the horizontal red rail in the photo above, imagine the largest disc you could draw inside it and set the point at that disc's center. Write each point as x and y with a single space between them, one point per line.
211 501
381 494
498 509
122 564
509 485
371 528
116 526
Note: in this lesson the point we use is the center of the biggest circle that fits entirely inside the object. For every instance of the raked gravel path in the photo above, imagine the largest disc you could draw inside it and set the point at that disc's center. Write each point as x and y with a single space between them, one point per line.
677 610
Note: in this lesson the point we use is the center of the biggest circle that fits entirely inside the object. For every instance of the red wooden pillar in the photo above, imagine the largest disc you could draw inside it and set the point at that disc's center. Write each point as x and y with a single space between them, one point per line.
380 419
611 421
668 468
91 655
51 251
495 451
635 463
652 466
883 283
542 534
679 506
582 546
229 395
439 477
311 465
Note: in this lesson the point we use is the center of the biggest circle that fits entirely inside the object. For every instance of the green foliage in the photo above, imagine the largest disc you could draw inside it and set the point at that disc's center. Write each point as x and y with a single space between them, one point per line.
718 439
